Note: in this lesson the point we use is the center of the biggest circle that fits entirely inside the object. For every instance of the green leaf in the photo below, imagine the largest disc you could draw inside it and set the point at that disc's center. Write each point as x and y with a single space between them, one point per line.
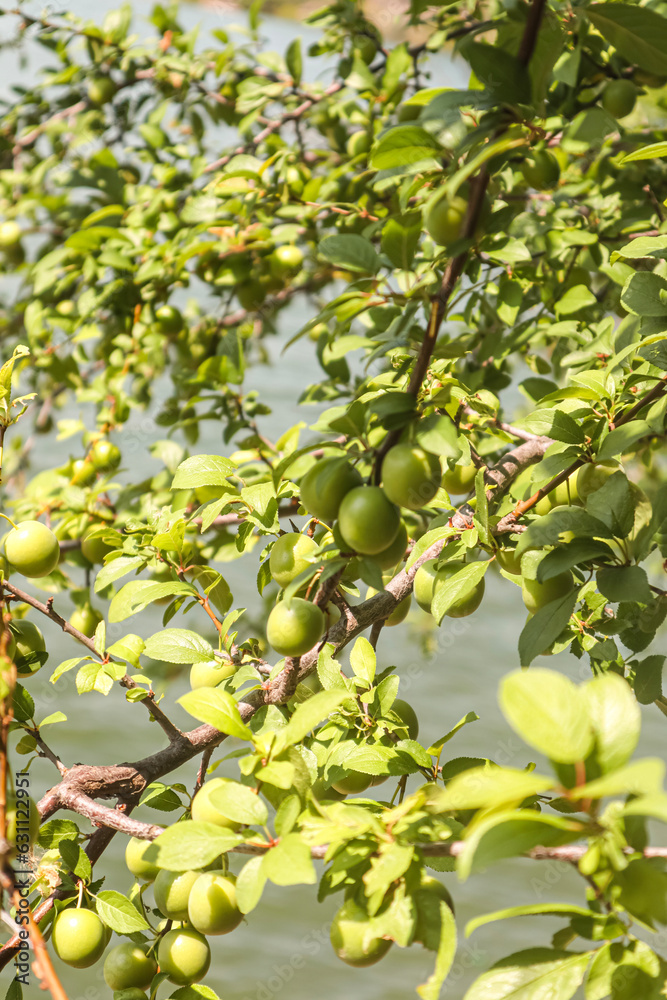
76 859
647 682
352 252
431 989
289 862
294 60
655 353
178 645
438 435
387 866
400 236
202 470
622 438
529 910
118 913
138 594
534 974
655 149
574 300
402 146
490 787
14 991
499 71
310 713
118 567
624 583
250 884
546 710
436 747
645 777
545 626
510 834
363 660
218 709
643 292
187 845
626 971
239 803
639 34
456 588
615 718
55 830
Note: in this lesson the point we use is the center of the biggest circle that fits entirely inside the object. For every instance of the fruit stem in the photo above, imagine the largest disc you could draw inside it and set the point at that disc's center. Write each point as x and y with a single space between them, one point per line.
4 515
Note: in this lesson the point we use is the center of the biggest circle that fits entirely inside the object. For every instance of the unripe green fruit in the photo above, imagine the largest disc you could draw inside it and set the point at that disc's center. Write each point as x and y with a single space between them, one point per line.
127 965
135 860
82 472
426 579
203 811
290 556
509 561
32 549
285 260
325 485
79 937
541 170
619 98
134 993
169 320
394 553
445 220
331 616
460 479
400 612
536 595
212 906
592 476
101 90
565 494
86 620
351 938
293 630
184 955
352 783
408 717
410 476
210 673
10 234
368 520
321 790
171 891
358 143
105 455
27 639
93 546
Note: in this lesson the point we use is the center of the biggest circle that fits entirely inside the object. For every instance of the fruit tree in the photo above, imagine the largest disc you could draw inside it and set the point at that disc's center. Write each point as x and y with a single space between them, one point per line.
481 276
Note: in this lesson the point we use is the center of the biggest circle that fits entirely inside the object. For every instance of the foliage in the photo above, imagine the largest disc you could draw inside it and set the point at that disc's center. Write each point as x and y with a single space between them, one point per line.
164 200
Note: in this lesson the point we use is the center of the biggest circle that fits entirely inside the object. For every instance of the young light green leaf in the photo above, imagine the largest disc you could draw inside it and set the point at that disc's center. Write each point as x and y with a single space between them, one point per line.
546 709
289 862
118 913
218 709
189 845
178 645
534 974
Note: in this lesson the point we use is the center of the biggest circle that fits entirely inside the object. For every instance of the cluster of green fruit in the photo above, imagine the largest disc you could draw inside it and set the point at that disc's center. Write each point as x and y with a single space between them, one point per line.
535 593
362 521
103 457
195 904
